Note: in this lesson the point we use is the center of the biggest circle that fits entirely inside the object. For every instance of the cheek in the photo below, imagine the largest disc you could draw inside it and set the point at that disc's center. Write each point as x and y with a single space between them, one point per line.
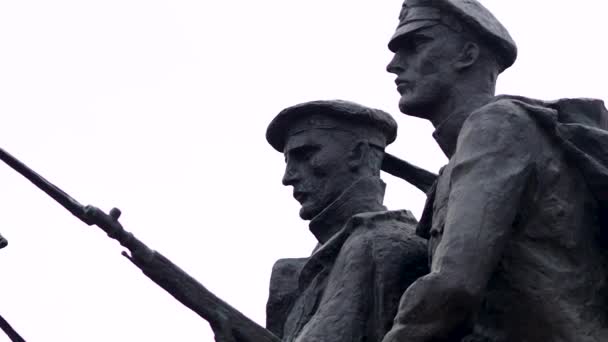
429 67
318 166
325 164
432 62
332 160
434 59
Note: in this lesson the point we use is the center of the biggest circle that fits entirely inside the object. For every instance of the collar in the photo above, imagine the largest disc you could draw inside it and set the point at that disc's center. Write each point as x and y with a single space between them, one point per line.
324 256
446 134
366 194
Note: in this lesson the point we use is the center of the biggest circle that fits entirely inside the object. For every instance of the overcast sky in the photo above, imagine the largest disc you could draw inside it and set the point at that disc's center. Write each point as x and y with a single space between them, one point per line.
160 108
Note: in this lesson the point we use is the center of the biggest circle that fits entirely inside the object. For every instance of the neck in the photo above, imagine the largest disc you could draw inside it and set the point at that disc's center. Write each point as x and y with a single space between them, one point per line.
452 113
364 195
461 100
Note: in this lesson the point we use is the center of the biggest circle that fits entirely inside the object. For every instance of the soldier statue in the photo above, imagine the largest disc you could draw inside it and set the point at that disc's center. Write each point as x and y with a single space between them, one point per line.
349 288
514 220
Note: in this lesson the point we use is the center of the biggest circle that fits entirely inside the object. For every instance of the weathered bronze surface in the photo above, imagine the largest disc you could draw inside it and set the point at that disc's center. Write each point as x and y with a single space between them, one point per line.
514 220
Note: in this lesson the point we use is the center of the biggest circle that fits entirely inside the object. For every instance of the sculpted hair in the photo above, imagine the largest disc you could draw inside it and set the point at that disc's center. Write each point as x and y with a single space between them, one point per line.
374 159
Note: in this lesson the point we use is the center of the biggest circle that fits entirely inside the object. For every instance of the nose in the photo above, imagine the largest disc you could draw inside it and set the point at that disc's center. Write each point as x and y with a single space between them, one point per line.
393 66
290 177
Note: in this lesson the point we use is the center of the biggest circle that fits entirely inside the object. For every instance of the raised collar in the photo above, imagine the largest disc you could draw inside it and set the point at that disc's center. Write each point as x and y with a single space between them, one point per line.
446 134
366 194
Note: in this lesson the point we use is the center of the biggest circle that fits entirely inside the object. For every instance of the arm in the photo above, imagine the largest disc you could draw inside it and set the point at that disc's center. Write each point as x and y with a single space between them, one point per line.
491 167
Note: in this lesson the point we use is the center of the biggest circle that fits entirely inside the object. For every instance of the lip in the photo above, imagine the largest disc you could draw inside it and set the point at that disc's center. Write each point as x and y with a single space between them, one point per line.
402 85
300 196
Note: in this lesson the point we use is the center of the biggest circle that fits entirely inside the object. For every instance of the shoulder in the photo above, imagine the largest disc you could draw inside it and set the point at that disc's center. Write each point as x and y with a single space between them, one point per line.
502 124
386 234
287 268
284 276
388 242
503 112
284 279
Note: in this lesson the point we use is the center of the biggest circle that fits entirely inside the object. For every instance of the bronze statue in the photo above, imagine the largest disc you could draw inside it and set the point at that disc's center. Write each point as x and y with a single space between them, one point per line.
348 289
514 220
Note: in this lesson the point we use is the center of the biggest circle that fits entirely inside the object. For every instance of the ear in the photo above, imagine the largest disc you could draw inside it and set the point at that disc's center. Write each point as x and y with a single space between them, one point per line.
468 56
358 155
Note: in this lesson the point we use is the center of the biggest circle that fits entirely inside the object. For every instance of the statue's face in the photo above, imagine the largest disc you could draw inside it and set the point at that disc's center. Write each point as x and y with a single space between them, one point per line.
423 64
317 168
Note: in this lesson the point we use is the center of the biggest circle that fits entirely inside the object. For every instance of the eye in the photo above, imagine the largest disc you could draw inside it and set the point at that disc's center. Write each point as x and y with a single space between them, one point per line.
306 152
413 43
303 153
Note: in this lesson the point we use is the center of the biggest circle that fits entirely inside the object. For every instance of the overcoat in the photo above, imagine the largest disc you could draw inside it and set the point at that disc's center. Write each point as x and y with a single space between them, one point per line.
514 235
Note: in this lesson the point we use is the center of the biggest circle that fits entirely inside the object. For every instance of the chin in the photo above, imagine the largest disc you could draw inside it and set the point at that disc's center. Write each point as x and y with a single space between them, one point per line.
308 211
307 214
411 107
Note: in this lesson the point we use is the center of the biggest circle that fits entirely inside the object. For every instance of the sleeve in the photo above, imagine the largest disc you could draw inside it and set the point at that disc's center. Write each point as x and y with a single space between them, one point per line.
491 168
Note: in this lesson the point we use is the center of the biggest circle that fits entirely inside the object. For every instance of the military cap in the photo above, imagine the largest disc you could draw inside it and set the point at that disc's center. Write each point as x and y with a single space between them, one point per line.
417 14
332 114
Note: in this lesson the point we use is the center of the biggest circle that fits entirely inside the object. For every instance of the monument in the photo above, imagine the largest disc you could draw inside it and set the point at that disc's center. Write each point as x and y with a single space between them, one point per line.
511 245
514 220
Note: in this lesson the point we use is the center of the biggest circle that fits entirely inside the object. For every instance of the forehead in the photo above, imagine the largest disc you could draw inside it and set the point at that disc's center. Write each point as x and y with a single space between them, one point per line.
420 19
431 31
316 137
438 36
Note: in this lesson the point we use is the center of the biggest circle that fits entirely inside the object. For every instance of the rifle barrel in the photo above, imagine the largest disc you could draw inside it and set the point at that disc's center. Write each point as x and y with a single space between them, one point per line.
57 194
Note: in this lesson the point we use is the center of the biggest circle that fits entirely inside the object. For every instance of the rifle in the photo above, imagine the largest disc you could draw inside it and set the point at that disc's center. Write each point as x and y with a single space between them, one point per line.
418 177
154 265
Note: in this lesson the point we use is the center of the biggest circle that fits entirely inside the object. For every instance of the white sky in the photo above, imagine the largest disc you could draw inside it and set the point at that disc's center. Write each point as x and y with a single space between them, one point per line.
160 108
